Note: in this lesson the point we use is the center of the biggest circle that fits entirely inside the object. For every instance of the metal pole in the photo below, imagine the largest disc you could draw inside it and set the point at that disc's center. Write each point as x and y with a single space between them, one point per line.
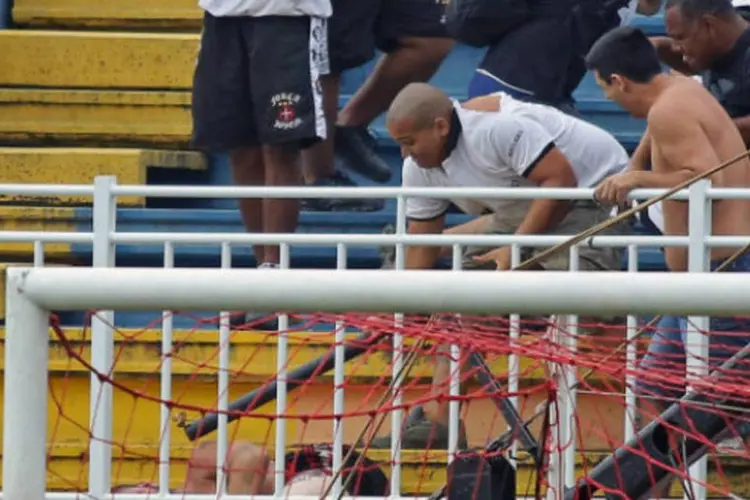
25 395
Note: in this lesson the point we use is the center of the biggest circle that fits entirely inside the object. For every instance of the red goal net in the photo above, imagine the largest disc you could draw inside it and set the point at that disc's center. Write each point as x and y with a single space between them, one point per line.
631 428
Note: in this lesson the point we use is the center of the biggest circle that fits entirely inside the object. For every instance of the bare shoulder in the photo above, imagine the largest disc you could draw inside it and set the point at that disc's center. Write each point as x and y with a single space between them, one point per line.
669 113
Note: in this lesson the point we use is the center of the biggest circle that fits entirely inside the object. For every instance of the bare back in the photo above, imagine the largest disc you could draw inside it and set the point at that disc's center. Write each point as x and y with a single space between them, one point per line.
691 133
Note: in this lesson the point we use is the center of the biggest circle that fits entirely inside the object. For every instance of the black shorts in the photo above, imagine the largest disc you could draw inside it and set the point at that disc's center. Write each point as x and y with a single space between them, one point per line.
744 12
358 27
257 82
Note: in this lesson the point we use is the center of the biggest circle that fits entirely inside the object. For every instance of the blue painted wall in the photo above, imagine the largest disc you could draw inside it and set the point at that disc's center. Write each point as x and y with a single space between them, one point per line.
5 10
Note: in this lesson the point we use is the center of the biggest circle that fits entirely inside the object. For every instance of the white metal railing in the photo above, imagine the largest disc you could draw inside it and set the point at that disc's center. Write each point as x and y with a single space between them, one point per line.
104 238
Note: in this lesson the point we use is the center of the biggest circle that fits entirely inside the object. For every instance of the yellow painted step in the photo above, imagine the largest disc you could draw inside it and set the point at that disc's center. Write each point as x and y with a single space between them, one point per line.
181 14
105 60
37 219
422 472
96 118
81 165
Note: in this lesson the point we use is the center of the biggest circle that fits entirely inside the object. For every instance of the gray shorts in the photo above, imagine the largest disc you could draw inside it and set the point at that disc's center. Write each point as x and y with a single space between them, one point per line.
582 216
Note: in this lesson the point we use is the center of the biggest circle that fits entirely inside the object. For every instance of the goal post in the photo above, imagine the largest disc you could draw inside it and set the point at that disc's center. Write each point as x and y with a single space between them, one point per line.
33 292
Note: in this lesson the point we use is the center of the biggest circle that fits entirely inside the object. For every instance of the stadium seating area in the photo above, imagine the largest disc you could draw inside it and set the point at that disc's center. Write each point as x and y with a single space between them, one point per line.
91 87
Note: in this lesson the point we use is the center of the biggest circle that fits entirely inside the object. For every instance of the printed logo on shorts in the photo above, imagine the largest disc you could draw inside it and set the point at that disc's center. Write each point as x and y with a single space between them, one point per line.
285 104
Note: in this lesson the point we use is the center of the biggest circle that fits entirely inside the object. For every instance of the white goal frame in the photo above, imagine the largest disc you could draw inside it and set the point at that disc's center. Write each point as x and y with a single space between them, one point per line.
33 292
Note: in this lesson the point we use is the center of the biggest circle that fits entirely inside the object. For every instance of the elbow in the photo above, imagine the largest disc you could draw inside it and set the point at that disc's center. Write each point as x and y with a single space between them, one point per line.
564 180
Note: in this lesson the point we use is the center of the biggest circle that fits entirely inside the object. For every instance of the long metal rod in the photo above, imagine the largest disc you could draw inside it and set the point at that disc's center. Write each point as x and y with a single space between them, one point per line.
633 470
266 393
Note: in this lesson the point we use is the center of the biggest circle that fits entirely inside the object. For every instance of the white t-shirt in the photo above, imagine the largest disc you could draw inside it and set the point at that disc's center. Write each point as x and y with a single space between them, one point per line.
741 3
501 149
260 8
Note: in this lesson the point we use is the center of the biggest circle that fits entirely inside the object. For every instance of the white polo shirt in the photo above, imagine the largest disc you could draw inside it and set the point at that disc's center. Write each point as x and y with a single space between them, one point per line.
501 149
260 8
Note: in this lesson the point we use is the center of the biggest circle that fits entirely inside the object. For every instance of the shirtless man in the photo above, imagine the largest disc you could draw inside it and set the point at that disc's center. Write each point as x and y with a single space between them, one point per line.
686 140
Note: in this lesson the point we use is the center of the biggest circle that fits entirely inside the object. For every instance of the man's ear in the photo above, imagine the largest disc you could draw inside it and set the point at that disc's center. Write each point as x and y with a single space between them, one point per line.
442 126
620 83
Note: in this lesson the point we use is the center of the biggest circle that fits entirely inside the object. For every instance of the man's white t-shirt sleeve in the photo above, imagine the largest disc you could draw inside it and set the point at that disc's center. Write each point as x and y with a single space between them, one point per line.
419 208
520 143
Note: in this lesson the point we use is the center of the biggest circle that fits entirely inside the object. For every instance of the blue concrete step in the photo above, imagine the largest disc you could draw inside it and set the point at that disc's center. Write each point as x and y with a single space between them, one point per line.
228 221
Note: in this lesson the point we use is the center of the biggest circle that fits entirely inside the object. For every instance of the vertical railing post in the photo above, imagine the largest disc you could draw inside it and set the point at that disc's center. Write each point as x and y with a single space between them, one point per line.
631 359
102 344
398 360
339 402
25 394
696 343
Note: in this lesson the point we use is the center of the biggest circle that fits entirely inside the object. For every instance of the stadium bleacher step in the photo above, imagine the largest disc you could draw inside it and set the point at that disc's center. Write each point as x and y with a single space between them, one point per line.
82 165
94 118
209 221
252 356
106 60
141 14
253 363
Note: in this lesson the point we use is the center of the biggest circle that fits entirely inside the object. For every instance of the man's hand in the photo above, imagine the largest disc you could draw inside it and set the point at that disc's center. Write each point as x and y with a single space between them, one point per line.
500 256
615 189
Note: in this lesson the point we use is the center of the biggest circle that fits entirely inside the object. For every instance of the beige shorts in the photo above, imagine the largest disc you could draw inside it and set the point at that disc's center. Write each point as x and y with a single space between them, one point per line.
582 216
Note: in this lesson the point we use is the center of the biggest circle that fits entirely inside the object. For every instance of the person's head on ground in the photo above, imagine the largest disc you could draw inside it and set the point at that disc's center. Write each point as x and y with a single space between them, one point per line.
419 119
703 30
627 68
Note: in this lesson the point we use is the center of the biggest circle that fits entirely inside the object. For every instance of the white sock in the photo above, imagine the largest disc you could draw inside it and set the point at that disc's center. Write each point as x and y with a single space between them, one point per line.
268 265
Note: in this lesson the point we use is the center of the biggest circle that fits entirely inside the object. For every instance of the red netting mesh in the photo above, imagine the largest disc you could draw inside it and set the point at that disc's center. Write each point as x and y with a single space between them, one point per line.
543 350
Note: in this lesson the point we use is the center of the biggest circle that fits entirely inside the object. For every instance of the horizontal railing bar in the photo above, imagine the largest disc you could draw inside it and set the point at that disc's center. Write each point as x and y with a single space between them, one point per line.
47 189
353 192
354 240
192 496
317 239
477 292
510 193
45 237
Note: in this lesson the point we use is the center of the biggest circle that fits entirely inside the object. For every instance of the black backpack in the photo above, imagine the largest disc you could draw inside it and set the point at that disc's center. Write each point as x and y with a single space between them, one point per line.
482 22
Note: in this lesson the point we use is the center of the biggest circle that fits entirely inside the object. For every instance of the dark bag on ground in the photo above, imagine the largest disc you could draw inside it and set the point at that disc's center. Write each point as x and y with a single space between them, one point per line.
480 23
473 476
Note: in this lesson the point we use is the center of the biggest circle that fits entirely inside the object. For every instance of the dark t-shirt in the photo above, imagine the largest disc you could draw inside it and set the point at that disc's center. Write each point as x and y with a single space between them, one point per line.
728 79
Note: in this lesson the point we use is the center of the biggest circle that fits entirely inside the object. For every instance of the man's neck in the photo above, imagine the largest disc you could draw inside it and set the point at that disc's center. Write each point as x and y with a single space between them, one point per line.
728 36
650 92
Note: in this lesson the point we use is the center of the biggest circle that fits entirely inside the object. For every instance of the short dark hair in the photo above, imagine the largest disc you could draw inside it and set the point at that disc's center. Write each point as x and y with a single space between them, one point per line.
624 51
694 9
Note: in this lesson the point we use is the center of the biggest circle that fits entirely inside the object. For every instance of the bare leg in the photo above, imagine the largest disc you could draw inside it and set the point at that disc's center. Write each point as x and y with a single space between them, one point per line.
317 161
248 170
438 411
280 216
246 466
415 60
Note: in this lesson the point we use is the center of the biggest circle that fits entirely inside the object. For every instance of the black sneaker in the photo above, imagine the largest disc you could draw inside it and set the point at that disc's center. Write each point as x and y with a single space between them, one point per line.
356 147
340 179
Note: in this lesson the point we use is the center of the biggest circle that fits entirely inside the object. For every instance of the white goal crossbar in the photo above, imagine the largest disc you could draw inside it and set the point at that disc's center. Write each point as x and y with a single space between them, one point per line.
33 292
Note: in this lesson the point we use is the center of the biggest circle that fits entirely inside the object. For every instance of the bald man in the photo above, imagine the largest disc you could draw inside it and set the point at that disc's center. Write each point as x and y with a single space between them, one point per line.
495 141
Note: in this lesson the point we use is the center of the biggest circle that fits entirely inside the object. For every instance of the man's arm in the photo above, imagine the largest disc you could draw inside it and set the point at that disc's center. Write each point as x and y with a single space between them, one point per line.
527 148
642 154
648 7
423 257
743 125
682 145
670 54
424 216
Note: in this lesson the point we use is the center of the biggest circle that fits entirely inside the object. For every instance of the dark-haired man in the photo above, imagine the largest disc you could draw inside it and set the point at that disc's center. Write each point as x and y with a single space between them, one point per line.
413 41
709 38
685 141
